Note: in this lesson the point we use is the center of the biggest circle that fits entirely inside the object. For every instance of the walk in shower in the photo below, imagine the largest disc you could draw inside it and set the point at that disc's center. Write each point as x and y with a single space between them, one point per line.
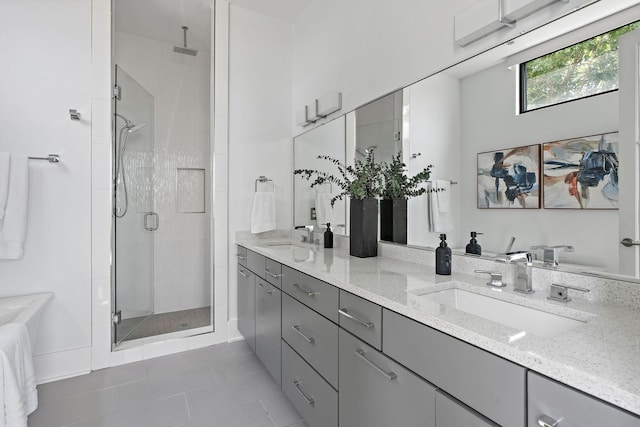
161 157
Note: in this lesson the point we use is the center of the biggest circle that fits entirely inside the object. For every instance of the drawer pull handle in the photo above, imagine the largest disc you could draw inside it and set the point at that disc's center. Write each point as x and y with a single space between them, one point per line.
390 375
345 313
243 274
241 257
269 291
547 421
275 276
307 399
310 340
305 290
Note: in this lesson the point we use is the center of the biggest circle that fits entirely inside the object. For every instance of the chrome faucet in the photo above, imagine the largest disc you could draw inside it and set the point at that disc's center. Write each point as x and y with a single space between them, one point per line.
551 254
308 238
524 282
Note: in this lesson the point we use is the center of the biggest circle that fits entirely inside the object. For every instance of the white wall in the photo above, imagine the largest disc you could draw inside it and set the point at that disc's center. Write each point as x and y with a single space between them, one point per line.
179 85
46 71
260 141
489 123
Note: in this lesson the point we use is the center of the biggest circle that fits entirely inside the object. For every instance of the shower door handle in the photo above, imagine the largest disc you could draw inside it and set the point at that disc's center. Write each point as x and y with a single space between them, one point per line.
155 222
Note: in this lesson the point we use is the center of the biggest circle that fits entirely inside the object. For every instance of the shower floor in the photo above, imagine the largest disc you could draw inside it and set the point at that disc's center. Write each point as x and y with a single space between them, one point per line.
164 323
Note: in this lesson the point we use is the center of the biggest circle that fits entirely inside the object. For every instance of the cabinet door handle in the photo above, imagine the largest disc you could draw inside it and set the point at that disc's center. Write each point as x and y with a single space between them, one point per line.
547 421
362 355
345 313
309 400
261 286
305 290
275 276
310 340
243 274
241 257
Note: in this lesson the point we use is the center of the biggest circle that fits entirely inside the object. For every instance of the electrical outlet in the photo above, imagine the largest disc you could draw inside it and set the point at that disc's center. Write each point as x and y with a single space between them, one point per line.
313 214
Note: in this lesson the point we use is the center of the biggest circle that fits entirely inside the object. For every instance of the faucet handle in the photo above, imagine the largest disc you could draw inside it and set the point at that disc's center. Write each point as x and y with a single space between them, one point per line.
561 292
496 278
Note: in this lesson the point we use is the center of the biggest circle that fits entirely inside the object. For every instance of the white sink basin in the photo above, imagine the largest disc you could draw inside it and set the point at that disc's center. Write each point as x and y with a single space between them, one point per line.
528 320
299 253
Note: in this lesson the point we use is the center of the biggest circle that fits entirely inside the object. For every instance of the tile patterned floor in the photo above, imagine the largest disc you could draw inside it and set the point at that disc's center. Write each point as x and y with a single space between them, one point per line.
164 323
219 386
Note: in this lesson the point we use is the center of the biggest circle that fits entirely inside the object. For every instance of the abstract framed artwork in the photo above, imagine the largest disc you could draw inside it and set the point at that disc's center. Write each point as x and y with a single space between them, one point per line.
581 173
509 178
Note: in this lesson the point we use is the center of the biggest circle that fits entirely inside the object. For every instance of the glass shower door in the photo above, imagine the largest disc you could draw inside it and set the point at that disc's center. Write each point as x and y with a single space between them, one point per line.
133 206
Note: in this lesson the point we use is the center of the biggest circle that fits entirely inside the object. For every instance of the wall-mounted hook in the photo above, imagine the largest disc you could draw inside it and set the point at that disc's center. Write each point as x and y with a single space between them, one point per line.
416 155
74 114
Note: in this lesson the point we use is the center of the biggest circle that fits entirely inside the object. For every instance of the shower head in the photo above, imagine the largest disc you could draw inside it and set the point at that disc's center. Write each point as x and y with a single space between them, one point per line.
184 49
131 127
134 128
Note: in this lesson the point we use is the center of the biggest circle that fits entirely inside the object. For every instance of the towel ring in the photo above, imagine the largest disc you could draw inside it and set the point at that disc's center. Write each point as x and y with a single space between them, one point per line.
263 179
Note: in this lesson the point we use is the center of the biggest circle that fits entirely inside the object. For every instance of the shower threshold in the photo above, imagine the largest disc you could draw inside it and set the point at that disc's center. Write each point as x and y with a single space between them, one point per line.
164 323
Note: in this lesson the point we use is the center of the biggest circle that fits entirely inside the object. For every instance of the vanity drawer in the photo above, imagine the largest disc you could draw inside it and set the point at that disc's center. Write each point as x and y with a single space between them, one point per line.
312 336
273 272
451 413
256 263
487 383
311 395
241 253
362 318
548 398
314 293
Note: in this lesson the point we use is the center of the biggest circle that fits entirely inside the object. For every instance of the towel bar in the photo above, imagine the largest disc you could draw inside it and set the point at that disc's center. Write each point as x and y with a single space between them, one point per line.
51 158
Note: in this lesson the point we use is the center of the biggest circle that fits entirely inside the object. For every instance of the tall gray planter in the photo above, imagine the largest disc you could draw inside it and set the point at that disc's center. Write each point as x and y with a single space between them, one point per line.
363 239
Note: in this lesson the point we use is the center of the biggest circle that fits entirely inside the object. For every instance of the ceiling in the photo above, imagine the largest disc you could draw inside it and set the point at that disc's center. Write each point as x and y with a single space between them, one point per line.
162 19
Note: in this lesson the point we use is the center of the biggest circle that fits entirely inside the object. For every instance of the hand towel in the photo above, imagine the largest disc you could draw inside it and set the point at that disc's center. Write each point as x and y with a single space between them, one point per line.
439 222
324 211
443 194
17 377
13 228
5 159
263 213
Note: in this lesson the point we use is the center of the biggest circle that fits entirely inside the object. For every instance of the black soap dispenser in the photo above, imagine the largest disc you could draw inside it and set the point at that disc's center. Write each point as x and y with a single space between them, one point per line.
473 247
443 257
328 237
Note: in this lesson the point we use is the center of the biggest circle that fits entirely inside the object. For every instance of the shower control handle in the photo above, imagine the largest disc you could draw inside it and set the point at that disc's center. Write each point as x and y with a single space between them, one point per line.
155 222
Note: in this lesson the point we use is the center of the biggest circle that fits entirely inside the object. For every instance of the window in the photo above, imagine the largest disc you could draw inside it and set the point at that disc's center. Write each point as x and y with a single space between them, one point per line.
584 69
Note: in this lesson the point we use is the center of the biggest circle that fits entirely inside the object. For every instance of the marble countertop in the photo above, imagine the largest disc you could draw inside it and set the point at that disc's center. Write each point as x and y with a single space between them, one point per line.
600 357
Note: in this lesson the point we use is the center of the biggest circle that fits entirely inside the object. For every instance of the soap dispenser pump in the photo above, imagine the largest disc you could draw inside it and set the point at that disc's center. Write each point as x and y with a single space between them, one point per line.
443 257
328 237
473 247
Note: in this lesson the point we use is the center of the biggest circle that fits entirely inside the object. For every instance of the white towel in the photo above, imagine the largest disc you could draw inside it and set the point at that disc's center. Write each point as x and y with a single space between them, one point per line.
444 195
17 377
324 211
5 159
439 221
263 213
13 228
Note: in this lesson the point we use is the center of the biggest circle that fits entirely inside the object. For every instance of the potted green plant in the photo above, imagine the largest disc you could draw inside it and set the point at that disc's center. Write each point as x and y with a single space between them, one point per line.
397 189
362 183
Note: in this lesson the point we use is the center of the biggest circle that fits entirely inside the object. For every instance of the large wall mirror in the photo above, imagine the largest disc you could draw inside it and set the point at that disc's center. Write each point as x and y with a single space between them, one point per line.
461 116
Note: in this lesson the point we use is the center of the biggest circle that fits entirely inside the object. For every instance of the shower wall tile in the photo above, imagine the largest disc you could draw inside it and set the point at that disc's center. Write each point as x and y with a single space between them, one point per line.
100 256
100 58
221 293
101 300
190 190
101 211
101 345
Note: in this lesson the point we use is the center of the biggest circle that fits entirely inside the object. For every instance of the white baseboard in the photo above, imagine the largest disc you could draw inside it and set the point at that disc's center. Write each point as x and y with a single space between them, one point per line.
63 364
234 333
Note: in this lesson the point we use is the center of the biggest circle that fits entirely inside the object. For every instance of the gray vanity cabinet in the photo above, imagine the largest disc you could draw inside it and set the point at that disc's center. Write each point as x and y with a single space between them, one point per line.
256 263
309 393
362 318
268 324
451 413
549 401
487 383
247 305
375 391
